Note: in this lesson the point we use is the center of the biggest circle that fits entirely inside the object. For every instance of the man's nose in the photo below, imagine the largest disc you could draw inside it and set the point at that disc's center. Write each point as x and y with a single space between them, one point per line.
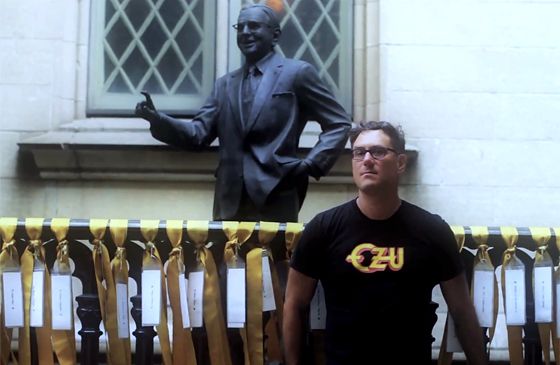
368 156
245 28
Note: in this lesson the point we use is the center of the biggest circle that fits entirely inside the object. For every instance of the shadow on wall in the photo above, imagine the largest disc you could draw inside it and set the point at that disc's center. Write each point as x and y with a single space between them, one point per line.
25 165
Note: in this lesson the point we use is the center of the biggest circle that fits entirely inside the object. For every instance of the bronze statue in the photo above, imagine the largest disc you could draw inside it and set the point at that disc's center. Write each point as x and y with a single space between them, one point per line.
258 113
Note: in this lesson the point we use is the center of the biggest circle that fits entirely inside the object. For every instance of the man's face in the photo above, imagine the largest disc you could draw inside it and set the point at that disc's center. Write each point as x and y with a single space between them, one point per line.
371 174
255 37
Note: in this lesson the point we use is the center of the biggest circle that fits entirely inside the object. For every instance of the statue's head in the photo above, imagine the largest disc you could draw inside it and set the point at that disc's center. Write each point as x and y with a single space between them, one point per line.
258 30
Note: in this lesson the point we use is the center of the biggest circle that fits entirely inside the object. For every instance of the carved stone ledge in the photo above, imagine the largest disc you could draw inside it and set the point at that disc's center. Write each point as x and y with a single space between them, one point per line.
123 149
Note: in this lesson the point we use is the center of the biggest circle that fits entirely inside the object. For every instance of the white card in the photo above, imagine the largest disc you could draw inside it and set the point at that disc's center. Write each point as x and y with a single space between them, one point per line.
268 292
558 309
183 290
37 297
318 309
151 297
515 297
196 298
122 311
236 297
453 344
483 296
12 290
61 302
543 294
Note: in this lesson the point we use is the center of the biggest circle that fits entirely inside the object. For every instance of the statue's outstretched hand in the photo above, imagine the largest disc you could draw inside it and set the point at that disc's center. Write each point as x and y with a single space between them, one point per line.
146 109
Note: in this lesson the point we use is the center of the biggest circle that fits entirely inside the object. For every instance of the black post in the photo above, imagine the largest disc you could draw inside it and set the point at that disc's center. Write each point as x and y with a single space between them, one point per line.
144 335
90 316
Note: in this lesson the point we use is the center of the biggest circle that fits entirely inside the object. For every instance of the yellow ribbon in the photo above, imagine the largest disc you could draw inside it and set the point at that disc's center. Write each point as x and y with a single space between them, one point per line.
480 236
35 252
118 350
510 236
446 357
64 342
218 344
255 336
541 236
9 258
183 348
237 234
149 229
293 234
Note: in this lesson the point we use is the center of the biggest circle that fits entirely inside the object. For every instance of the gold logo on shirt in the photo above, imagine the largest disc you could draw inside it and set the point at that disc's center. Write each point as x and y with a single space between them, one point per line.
382 258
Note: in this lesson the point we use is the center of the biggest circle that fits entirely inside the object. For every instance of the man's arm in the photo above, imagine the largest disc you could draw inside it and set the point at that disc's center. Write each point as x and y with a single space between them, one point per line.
456 294
198 133
320 105
299 292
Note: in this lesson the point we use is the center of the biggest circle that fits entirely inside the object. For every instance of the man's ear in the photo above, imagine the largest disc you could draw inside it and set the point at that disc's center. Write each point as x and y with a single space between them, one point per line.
276 36
402 159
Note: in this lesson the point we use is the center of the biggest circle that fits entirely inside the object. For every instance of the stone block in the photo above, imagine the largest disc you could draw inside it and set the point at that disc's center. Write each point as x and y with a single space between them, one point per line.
70 24
372 24
27 198
322 197
8 151
527 117
372 75
460 205
48 18
460 69
468 23
26 107
112 199
434 114
27 62
65 69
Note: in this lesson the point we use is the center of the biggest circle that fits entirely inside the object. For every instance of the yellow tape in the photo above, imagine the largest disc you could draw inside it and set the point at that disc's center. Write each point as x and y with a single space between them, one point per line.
183 348
149 229
9 258
218 344
510 236
64 342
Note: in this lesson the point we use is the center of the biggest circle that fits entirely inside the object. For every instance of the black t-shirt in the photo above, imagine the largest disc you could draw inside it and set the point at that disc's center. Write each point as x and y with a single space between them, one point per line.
378 277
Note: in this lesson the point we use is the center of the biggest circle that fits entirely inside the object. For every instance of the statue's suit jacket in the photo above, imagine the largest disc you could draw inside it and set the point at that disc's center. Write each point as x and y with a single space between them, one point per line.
260 151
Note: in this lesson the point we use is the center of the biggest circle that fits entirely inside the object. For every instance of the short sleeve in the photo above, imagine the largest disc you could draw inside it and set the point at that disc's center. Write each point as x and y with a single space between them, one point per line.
448 257
310 251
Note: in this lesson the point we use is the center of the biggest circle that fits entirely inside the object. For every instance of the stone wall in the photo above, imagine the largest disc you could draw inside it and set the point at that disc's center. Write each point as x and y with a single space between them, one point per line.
474 83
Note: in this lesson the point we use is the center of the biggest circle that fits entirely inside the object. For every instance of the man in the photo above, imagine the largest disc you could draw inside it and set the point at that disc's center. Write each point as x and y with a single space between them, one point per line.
258 113
378 258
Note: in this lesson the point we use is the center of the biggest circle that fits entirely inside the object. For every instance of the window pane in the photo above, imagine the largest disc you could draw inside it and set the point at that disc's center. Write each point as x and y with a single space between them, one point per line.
319 32
166 47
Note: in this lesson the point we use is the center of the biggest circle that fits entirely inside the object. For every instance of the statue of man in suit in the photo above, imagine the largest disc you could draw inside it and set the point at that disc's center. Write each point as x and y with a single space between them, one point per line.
258 113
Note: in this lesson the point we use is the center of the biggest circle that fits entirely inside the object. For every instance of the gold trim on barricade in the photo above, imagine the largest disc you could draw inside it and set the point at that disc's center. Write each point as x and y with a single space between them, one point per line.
33 260
182 346
9 261
152 261
543 262
214 322
511 262
64 341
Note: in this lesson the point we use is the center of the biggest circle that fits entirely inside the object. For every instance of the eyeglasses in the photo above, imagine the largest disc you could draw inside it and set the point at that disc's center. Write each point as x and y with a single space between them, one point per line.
251 25
377 152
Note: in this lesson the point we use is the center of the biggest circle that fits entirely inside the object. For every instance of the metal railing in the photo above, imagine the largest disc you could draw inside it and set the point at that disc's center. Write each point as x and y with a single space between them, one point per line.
88 311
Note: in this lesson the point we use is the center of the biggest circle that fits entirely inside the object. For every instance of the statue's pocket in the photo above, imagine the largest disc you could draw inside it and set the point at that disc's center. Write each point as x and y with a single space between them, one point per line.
283 94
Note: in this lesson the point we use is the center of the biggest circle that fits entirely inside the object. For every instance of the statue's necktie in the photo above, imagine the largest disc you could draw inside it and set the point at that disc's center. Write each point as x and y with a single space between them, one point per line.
250 84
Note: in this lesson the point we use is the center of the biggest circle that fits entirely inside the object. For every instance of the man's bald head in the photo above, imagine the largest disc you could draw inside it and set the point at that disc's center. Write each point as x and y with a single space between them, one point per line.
268 11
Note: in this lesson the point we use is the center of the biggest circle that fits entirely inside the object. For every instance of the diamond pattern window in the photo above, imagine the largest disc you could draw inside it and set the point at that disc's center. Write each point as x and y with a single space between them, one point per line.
166 47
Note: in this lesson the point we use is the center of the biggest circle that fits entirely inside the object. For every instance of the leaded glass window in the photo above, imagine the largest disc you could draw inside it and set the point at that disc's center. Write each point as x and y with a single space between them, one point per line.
166 47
